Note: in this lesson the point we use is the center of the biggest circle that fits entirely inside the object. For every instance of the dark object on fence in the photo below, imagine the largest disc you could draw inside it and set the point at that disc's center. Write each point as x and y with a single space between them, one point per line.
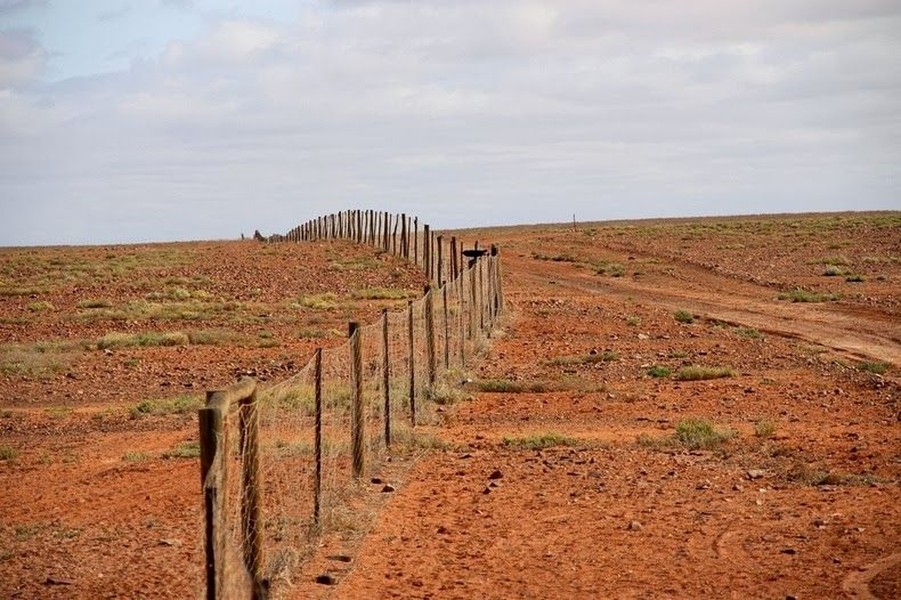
214 420
474 255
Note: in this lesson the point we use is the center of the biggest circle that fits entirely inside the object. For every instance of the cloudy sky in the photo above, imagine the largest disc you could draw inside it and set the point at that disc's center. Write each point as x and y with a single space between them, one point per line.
140 120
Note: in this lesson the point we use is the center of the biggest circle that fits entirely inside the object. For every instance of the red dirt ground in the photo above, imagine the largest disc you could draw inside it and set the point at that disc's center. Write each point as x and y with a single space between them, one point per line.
802 500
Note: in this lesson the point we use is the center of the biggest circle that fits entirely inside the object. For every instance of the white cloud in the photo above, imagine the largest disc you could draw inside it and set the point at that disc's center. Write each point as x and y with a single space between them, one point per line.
529 110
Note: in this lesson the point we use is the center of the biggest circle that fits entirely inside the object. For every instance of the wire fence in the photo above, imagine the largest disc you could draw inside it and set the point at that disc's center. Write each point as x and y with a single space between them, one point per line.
279 462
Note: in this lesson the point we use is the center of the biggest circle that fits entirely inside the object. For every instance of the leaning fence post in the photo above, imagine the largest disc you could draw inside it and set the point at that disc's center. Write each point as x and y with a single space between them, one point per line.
356 383
317 438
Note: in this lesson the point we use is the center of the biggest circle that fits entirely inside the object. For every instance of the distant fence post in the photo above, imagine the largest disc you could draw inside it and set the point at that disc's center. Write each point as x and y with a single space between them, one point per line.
356 384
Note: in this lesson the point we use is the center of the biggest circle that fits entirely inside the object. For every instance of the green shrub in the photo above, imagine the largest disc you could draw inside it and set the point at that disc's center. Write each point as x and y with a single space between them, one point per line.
539 441
698 373
683 316
659 371
699 434
876 367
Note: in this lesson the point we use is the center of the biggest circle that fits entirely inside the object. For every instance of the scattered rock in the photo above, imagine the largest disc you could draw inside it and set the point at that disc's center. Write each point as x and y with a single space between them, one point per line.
704 485
788 551
340 558
755 473
635 526
487 490
442 530
326 579
376 480
170 542
496 474
388 488
57 581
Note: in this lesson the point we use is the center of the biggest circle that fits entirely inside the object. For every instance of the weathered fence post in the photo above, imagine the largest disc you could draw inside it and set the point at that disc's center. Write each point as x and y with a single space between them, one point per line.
252 493
426 253
415 240
317 439
404 242
412 361
446 328
212 465
386 377
440 244
429 300
356 384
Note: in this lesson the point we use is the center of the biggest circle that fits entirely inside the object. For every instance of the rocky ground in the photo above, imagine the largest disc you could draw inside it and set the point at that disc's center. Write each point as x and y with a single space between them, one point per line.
657 419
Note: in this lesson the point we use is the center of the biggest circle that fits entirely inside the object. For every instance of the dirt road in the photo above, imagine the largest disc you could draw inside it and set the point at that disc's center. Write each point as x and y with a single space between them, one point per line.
585 490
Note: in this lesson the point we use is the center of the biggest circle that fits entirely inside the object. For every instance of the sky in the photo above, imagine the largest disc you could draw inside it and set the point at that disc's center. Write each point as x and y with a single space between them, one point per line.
159 120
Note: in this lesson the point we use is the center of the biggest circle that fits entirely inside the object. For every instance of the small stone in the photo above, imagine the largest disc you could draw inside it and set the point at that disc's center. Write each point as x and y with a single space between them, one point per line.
755 473
170 542
704 485
376 480
326 579
442 530
635 526
788 551
496 474
57 581
487 490
388 488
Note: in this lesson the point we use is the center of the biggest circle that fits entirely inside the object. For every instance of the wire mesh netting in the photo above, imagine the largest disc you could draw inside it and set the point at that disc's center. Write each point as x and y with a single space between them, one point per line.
372 391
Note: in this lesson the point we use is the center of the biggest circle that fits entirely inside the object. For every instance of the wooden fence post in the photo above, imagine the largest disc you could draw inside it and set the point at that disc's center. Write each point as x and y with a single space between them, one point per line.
317 439
356 384
252 494
440 271
411 361
415 240
404 242
426 253
212 467
386 377
446 329
429 300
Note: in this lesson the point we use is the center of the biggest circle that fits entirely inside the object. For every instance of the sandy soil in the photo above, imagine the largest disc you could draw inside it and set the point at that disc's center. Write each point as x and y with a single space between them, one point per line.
568 482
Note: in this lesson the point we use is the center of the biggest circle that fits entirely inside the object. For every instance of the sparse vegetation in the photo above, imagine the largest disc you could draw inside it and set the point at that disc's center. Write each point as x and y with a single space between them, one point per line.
170 406
802 295
749 332
382 294
539 441
7 452
764 429
94 303
633 321
699 373
699 434
327 301
586 359
683 316
877 367
121 340
183 450
855 279
658 371
133 456
833 271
